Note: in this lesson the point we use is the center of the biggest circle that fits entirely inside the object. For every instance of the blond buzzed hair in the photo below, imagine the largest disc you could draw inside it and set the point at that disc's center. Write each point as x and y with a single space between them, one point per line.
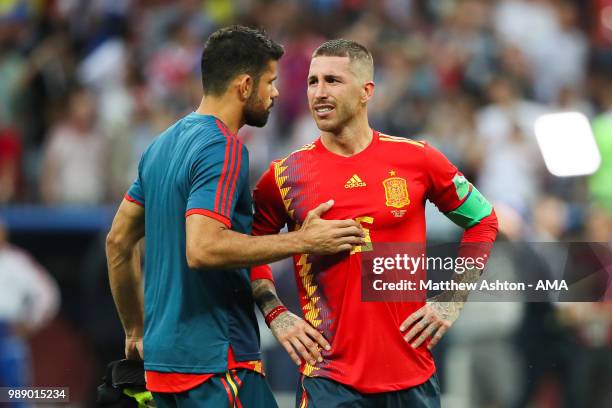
360 57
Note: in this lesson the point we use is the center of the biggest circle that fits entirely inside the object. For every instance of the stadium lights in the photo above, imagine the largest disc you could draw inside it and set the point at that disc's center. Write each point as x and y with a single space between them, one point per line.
567 144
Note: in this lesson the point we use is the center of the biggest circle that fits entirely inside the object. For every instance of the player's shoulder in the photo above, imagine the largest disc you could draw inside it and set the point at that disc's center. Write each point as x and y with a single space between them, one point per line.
395 142
421 149
209 136
303 150
299 153
290 159
205 130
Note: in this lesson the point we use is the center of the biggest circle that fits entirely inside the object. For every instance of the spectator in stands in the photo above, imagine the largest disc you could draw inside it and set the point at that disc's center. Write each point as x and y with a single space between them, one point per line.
12 67
29 298
589 382
75 156
511 161
590 371
11 152
600 184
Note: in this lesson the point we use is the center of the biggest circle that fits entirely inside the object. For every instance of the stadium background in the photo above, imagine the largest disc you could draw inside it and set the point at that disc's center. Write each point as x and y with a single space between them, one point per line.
86 85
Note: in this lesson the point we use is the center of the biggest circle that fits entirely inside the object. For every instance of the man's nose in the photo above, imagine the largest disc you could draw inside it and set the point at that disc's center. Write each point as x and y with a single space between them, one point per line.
321 91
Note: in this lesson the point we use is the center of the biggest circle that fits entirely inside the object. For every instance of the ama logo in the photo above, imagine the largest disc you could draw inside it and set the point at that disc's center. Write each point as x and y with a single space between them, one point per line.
551 285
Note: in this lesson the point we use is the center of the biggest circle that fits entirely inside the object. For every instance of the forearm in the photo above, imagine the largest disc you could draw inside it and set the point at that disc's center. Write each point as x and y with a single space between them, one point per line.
124 273
293 333
264 294
211 245
465 278
476 244
232 249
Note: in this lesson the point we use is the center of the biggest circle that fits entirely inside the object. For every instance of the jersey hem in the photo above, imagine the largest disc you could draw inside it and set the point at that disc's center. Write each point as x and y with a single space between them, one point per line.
214 369
133 200
173 368
379 388
202 211
195 381
242 358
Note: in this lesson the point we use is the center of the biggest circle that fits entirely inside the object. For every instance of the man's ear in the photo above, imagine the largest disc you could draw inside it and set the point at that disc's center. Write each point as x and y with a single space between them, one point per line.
245 86
367 91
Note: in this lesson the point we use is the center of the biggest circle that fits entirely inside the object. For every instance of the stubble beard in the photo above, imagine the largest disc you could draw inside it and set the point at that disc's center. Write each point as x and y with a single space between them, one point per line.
255 113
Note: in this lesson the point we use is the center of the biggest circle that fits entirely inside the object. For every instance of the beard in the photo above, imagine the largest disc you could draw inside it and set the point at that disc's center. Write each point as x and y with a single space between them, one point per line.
255 113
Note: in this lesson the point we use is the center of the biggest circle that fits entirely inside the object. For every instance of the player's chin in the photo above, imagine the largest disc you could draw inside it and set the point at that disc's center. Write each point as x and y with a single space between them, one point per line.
258 120
326 125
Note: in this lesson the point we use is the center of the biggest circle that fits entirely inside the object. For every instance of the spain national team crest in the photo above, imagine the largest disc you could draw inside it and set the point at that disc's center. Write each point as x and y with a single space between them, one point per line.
396 191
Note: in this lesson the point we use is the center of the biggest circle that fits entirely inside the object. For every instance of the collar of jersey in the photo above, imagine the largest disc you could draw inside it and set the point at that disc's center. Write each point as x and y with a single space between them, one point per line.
356 156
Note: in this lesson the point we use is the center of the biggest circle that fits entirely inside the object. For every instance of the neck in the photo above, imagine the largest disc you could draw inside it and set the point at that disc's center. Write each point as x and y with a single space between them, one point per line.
351 139
224 109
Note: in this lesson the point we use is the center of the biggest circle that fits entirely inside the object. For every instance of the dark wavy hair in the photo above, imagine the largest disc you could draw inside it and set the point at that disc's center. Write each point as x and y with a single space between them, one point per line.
236 50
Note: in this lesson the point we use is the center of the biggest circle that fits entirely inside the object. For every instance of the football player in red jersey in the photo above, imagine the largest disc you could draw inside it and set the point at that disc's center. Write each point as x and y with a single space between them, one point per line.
380 354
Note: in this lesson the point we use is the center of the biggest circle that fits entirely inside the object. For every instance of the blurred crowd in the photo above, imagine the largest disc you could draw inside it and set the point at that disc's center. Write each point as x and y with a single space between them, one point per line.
85 86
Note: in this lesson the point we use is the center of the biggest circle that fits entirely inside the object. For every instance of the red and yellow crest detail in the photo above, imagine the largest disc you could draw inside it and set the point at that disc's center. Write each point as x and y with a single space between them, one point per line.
396 191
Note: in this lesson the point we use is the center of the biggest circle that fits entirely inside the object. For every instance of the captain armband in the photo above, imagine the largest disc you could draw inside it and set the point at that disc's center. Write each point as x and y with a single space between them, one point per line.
473 208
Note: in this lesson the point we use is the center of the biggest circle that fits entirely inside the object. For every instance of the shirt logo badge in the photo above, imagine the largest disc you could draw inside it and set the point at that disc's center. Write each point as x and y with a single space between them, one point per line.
396 191
354 182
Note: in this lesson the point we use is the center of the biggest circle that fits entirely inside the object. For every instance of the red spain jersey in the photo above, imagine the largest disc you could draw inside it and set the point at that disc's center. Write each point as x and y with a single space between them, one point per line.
384 187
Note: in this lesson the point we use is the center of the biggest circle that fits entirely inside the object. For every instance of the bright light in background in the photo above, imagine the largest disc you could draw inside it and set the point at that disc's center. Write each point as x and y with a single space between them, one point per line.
606 17
567 144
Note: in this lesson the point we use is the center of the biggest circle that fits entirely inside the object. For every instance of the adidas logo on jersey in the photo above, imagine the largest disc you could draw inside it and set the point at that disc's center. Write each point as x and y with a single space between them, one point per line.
354 182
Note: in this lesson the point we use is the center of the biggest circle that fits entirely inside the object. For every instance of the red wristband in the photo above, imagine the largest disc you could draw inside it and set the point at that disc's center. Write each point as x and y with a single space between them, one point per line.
274 313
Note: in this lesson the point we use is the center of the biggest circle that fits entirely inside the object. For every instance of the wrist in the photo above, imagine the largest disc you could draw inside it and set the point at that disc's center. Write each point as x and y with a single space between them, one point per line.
274 313
299 245
460 298
266 306
134 334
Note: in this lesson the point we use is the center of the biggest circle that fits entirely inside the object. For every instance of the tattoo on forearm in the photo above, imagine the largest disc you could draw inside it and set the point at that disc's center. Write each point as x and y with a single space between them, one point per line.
266 299
469 276
264 295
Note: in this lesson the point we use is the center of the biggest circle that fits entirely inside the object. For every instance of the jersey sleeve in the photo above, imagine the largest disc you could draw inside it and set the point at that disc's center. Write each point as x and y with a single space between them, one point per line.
270 215
135 193
452 193
217 176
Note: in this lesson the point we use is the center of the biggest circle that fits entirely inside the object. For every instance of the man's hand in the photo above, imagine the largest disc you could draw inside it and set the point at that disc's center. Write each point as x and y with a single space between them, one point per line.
325 237
430 321
133 348
299 338
295 334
